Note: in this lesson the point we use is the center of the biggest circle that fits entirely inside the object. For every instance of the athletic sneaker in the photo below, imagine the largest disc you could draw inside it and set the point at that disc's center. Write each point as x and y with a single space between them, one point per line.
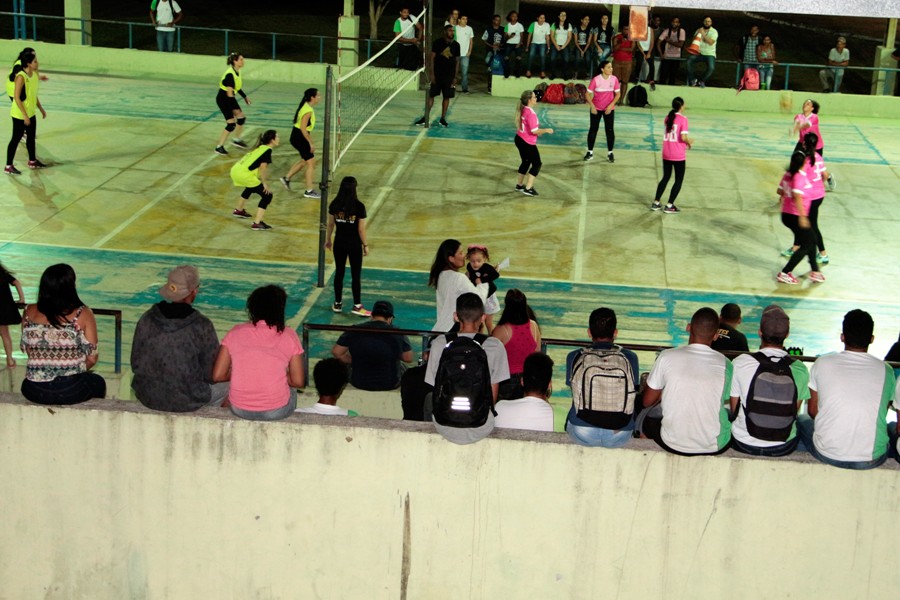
832 184
530 192
261 226
787 278
655 206
671 209
520 188
337 307
421 122
443 122
788 253
239 143
221 150
12 170
589 155
240 213
822 259
36 164
817 277
311 194
286 183
359 311
610 157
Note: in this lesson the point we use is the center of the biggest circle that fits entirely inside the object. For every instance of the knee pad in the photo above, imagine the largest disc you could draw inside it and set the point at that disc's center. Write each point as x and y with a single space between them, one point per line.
230 126
241 120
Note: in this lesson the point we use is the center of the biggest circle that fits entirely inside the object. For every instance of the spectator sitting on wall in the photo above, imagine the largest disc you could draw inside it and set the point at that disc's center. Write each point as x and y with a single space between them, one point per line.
330 376
729 337
838 57
533 411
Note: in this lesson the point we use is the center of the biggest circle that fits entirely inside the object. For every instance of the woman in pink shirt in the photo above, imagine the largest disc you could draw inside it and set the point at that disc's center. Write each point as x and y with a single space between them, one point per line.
602 94
520 334
674 153
808 122
262 360
795 190
526 142
817 176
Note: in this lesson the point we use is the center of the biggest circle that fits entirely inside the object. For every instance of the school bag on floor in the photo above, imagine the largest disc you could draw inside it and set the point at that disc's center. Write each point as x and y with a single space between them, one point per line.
602 383
581 90
771 406
749 80
462 394
570 94
539 90
555 94
637 96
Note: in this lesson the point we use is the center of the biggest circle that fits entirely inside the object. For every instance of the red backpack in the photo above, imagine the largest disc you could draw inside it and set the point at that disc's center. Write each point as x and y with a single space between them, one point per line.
555 94
750 80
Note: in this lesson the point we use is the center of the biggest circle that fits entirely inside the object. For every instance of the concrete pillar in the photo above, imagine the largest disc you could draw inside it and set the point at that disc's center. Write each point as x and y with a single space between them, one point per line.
348 50
501 7
883 82
78 34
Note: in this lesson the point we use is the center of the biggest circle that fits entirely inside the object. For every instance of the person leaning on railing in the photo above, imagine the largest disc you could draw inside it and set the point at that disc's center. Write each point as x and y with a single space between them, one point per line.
164 14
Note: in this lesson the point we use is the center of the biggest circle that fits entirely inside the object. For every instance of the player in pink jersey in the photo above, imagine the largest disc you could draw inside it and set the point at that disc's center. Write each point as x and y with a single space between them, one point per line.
808 122
795 190
527 134
602 94
817 176
675 146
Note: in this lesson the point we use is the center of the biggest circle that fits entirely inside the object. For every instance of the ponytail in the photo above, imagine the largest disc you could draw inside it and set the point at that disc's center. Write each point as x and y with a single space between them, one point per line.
308 95
523 102
677 103
810 141
232 58
266 137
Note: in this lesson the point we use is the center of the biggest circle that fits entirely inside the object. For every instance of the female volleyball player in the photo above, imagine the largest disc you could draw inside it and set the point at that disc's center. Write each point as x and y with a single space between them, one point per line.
229 85
602 94
526 142
808 122
818 173
23 110
795 190
347 221
251 173
676 143
301 139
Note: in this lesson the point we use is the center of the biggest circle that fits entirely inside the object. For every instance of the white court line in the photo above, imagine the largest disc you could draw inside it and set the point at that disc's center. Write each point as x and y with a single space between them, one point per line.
578 263
99 243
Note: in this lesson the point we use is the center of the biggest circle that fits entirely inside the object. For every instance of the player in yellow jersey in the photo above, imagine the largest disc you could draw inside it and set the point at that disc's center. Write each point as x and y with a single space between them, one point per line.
229 85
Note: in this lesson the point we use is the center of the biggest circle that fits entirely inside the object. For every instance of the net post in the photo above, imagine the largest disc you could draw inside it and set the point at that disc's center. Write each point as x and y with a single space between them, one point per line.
330 95
426 55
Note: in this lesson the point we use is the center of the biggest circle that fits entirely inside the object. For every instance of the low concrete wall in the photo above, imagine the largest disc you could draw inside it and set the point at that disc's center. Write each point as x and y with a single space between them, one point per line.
109 500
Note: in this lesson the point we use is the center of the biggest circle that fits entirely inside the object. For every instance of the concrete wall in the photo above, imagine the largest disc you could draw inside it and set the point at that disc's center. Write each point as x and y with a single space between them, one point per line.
108 500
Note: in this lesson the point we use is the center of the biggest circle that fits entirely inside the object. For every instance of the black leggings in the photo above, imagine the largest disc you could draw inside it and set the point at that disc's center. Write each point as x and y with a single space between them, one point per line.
530 157
18 129
608 121
805 239
814 225
668 165
343 251
264 197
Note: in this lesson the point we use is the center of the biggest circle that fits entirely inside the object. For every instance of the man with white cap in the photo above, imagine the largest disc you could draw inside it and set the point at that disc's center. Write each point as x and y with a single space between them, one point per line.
174 348
766 389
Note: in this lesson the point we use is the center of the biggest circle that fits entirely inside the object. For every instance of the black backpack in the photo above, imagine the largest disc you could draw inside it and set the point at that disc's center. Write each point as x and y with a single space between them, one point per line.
771 406
462 385
637 97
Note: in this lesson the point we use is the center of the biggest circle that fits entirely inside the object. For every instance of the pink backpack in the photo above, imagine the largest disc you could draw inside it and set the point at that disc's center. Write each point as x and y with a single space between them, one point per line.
750 80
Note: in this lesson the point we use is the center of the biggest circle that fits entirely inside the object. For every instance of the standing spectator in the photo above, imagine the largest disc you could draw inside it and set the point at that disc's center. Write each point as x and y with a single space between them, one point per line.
465 38
9 312
602 94
745 51
531 411
527 132
23 112
59 335
494 38
347 221
443 71
376 360
330 376
849 395
538 32
676 143
838 58
729 337
670 43
765 54
644 59
174 349
452 18
449 283
708 36
603 40
164 14
692 385
560 47
521 336
657 29
409 31
262 359
512 51
584 50
623 53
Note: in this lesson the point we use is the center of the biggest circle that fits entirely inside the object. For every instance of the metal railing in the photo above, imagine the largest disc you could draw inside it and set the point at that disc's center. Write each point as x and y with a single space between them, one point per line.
739 71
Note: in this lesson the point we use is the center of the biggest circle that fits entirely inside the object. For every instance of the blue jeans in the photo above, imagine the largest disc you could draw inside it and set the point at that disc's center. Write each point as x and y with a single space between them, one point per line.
165 41
269 415
539 50
585 62
765 75
71 389
512 60
695 58
806 426
779 450
597 436
560 61
464 73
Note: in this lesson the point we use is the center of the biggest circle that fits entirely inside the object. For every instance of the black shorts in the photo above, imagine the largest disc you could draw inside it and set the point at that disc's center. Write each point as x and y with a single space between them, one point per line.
444 88
298 141
227 105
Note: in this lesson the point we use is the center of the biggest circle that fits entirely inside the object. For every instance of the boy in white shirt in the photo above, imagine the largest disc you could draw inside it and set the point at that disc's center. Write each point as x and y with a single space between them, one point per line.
464 37
533 411
331 377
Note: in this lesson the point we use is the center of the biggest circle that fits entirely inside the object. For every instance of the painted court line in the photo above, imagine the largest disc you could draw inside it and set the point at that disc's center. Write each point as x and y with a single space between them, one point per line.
578 262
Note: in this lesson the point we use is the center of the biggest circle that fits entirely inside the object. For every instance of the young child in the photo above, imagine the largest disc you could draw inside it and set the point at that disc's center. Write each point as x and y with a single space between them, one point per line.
478 268
9 314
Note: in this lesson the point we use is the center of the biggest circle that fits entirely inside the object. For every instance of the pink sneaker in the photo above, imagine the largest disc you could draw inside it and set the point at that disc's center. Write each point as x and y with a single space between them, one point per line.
816 277
789 278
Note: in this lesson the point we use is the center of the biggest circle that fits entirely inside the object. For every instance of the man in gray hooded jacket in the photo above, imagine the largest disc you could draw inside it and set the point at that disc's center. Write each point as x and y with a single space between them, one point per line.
174 349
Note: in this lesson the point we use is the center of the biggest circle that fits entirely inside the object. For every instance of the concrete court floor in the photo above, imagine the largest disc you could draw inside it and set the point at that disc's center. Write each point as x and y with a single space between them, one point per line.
135 188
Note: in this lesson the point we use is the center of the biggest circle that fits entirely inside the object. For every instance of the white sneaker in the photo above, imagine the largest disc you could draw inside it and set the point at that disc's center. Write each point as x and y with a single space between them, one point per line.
832 184
311 194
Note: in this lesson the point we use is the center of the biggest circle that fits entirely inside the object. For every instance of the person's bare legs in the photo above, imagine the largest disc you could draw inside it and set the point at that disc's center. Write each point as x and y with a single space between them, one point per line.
7 345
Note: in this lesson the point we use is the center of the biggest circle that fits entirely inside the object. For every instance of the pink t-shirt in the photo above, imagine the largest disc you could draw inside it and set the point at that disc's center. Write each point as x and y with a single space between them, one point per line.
817 192
791 184
528 125
813 121
604 91
259 362
674 147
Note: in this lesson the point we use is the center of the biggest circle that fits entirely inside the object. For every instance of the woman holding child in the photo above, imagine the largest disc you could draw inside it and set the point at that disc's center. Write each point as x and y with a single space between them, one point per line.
449 283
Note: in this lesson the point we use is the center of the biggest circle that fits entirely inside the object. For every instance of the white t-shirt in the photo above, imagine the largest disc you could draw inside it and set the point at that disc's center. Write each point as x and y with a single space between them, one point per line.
494 348
709 49
326 409
539 33
529 412
406 28
517 29
696 382
854 390
451 285
645 45
165 13
464 36
745 367
561 35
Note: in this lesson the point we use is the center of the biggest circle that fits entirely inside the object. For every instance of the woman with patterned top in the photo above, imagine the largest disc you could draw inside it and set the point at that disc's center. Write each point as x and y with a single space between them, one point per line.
59 335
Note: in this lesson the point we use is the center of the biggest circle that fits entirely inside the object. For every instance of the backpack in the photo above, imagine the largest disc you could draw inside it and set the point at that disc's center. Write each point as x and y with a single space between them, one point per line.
602 382
771 406
637 96
539 90
581 90
555 94
749 80
570 95
462 385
